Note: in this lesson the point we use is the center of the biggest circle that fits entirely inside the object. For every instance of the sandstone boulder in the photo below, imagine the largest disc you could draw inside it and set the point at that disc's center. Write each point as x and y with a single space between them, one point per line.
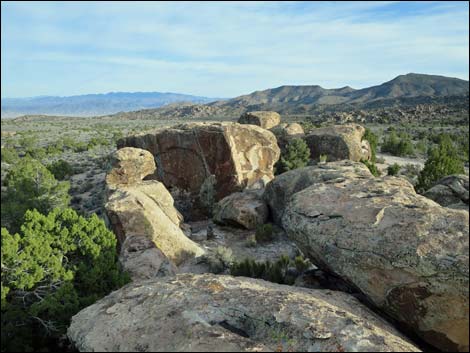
279 191
242 209
130 166
265 119
287 132
222 313
406 253
338 142
451 191
146 210
188 155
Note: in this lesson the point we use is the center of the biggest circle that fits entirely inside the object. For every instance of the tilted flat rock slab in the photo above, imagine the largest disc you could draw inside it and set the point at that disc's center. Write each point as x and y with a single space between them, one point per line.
406 253
279 191
187 154
223 313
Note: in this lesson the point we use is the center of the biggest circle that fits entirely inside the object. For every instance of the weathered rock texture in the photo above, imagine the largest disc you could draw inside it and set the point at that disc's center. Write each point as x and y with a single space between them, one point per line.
129 166
279 191
406 253
188 154
221 313
265 119
451 191
242 209
338 142
146 210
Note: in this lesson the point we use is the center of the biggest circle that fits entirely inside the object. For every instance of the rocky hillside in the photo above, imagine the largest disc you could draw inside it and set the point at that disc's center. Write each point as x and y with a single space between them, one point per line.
404 90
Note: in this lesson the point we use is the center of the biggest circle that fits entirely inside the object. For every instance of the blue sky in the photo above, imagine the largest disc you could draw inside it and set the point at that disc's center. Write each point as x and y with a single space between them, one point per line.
225 49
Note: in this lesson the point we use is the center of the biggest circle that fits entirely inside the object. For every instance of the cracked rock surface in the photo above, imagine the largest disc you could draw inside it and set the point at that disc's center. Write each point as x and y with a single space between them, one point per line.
222 313
406 253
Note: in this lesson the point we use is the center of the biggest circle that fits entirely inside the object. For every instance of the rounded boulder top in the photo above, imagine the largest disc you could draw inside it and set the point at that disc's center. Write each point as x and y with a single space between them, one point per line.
265 119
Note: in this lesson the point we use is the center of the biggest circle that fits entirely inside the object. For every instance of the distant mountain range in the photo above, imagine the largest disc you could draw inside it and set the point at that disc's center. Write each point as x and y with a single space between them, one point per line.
289 100
410 89
93 104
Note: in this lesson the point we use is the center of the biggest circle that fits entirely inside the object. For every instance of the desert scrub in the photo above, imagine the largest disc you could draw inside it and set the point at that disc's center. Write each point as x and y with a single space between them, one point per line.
264 233
323 158
219 260
277 272
373 140
296 155
393 169
372 167
207 194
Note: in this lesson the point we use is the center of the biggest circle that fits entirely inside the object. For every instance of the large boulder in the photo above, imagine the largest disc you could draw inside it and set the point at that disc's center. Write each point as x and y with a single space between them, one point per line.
208 313
451 191
225 156
279 191
242 209
129 166
406 253
146 210
265 119
338 142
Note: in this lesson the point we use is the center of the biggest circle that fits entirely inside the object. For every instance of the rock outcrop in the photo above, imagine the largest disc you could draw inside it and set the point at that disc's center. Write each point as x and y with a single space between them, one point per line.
265 119
233 155
406 253
129 166
142 215
245 209
451 191
222 313
279 191
338 142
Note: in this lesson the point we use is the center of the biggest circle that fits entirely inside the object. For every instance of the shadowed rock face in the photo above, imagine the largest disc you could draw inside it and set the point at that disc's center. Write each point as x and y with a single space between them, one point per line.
188 154
406 253
222 313
451 191
287 132
265 119
338 142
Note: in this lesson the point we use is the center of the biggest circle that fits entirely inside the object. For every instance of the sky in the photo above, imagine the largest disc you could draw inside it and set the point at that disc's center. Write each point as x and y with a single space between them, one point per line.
225 49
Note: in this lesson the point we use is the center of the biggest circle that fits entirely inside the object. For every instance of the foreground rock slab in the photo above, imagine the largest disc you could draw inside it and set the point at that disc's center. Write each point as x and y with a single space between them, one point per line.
222 313
406 253
338 142
279 191
196 157
265 119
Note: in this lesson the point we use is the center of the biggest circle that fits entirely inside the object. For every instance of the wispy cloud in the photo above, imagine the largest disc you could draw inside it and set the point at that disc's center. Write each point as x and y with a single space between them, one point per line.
225 48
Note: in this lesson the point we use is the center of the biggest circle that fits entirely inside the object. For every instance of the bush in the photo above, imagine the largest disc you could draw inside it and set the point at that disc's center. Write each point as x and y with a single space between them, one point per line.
398 145
373 140
58 264
393 169
264 233
30 185
372 167
220 259
61 169
443 160
9 155
296 155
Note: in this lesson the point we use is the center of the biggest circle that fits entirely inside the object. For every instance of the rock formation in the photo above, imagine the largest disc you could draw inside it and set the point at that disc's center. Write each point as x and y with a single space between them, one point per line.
406 253
451 191
143 217
287 132
279 191
265 119
188 155
243 209
222 313
338 142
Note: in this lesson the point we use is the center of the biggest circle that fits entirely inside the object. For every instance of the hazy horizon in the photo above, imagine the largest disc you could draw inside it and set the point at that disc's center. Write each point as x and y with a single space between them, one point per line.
225 49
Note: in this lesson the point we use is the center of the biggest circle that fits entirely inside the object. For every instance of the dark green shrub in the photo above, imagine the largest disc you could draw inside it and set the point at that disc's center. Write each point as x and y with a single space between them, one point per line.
56 265
373 140
372 167
9 155
393 169
443 160
296 155
61 169
264 233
